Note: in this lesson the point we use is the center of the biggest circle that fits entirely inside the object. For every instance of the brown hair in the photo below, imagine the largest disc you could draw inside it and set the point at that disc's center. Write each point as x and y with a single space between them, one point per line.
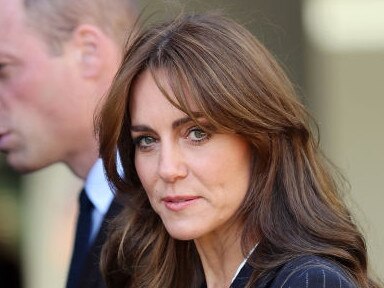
292 206
57 19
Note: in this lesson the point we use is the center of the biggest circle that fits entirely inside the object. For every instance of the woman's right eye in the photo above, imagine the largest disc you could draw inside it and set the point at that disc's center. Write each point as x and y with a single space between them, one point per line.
144 142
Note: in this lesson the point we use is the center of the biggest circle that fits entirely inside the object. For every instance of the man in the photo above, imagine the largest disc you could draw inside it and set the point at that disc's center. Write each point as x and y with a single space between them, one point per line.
57 60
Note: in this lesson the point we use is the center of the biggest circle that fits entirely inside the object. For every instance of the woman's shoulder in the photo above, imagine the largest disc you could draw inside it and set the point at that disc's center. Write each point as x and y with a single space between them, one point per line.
313 272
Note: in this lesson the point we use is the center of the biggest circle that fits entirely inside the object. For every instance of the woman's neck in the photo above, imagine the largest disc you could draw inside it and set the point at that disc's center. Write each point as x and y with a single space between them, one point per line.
220 256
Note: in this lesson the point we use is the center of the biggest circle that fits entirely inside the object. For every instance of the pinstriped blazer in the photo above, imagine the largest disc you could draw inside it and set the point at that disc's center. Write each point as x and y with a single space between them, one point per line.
302 272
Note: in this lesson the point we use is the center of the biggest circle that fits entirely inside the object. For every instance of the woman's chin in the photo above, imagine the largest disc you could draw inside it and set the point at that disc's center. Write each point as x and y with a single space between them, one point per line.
182 234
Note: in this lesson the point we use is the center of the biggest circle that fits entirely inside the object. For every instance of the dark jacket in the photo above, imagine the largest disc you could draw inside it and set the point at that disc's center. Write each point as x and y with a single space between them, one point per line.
302 272
91 276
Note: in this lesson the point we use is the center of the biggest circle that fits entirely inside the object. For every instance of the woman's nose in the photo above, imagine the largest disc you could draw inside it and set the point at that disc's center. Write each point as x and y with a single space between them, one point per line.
172 165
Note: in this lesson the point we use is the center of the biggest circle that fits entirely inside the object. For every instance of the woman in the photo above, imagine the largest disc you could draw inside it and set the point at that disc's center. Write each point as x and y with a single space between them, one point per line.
226 184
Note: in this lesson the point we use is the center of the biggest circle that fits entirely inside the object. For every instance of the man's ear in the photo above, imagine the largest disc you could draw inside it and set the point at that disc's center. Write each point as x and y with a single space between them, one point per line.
88 42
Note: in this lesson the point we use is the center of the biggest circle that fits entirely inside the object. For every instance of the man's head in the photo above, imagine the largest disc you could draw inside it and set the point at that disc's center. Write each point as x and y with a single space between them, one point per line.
57 59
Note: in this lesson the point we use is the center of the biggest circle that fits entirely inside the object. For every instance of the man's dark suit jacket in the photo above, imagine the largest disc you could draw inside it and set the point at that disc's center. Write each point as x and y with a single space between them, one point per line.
302 272
91 276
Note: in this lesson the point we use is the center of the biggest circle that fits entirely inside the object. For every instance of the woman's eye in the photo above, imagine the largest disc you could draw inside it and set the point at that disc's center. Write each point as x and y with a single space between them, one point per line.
144 142
197 135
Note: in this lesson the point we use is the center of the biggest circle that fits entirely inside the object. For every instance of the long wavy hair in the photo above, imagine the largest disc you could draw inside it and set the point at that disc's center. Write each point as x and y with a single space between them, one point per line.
292 206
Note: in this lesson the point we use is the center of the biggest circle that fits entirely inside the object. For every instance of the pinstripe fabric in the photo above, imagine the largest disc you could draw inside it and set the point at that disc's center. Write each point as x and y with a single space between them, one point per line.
302 272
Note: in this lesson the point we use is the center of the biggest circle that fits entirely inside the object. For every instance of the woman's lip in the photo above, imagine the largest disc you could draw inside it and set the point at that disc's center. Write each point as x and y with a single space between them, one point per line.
177 203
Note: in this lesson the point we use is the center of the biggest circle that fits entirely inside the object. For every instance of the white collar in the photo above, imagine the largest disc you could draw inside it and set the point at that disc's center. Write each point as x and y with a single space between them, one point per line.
97 188
243 263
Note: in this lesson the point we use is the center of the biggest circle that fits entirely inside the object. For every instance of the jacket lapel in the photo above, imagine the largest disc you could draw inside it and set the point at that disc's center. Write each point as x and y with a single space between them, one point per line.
91 276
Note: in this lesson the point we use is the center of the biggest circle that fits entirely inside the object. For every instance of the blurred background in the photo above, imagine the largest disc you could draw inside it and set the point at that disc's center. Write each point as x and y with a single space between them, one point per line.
333 50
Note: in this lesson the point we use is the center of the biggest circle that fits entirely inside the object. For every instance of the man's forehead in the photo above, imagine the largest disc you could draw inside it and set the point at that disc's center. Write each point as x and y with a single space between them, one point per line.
12 17
15 29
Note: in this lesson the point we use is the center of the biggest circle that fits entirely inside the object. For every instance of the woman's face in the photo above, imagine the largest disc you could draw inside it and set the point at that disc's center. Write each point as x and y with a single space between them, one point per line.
194 180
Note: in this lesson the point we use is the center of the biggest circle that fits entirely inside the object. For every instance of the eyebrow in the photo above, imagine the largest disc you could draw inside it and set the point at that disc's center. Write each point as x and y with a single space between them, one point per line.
175 124
140 128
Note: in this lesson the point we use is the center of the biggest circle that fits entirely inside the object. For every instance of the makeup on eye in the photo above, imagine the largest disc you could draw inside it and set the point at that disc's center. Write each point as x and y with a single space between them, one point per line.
143 142
197 135
144 137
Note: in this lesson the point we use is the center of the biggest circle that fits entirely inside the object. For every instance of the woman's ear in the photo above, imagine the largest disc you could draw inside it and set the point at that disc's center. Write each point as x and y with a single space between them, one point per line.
88 41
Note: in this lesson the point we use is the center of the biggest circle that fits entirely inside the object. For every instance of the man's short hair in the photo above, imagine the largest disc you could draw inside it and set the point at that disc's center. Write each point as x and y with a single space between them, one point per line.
55 20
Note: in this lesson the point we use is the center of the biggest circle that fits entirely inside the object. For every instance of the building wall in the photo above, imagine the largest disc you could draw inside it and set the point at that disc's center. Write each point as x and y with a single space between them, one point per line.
345 76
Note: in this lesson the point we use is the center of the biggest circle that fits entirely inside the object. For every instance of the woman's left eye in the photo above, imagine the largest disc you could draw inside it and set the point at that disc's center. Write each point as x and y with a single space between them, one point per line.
197 135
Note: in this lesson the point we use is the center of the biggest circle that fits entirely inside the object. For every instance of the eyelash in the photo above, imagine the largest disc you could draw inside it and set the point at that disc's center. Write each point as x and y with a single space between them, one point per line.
137 141
206 137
